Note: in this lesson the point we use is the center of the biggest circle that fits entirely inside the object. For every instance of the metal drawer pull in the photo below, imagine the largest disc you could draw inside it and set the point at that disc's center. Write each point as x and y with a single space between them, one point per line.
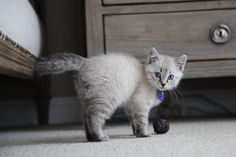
220 34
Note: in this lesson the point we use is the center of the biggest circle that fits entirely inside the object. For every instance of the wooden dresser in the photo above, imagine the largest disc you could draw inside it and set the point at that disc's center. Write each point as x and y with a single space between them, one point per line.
203 29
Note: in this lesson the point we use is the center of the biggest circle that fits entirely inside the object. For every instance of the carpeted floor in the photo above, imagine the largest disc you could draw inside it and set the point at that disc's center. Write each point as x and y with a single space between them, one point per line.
198 138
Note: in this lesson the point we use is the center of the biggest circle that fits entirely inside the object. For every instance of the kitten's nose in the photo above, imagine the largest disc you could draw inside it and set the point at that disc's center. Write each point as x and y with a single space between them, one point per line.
163 84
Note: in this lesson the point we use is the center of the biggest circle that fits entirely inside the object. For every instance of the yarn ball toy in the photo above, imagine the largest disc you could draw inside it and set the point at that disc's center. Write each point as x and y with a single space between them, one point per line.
161 126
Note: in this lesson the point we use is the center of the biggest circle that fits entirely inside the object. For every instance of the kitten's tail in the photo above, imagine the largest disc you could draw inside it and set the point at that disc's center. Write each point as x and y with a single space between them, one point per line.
59 63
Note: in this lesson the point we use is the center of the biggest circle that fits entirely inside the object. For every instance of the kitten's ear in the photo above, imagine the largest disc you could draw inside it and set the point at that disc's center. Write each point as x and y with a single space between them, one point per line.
181 61
153 56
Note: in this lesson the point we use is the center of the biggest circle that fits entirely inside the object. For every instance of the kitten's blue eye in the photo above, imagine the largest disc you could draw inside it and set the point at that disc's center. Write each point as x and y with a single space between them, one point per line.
157 74
171 77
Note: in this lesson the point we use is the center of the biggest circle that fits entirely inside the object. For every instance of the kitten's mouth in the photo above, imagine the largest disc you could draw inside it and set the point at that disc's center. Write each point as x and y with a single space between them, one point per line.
161 89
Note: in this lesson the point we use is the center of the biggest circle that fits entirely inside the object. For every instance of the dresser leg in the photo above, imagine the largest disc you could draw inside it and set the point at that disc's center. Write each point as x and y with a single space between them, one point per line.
42 98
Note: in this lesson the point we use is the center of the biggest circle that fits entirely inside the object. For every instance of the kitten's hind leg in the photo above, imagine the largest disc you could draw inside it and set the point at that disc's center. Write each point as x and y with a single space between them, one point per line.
93 129
88 136
132 125
94 120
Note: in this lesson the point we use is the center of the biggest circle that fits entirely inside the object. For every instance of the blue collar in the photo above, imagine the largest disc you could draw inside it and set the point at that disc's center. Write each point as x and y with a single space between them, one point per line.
160 95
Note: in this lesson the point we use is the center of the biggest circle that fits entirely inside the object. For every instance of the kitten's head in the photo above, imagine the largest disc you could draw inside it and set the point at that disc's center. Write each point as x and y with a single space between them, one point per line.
164 72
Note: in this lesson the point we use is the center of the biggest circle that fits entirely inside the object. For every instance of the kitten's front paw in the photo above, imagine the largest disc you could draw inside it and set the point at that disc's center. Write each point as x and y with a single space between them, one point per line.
142 132
104 138
95 138
100 139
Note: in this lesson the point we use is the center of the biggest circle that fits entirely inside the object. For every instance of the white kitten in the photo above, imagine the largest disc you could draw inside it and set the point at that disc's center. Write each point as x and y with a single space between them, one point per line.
106 82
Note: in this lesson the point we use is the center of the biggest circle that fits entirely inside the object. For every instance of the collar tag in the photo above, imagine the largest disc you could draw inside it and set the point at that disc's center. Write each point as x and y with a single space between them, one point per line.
160 95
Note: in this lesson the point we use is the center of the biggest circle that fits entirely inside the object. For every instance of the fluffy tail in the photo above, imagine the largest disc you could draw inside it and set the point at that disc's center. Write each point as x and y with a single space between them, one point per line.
58 63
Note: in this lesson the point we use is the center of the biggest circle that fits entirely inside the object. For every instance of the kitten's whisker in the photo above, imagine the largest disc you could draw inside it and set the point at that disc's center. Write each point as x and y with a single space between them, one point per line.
171 95
179 91
176 95
180 94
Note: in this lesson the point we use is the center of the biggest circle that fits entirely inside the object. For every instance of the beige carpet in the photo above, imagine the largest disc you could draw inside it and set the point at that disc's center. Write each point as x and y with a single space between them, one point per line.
198 138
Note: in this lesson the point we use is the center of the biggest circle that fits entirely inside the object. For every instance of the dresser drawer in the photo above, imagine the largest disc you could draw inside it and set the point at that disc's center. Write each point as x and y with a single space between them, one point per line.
139 2
118 2
172 34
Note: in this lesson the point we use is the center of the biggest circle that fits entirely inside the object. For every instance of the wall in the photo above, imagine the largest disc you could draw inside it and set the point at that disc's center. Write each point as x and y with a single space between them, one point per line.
65 33
65 23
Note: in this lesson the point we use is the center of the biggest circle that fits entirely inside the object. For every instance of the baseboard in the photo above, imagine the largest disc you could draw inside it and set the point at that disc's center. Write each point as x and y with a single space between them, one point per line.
194 104
67 109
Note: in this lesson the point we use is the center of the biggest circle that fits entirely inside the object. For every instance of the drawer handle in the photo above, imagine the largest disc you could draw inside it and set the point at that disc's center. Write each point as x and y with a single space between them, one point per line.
220 34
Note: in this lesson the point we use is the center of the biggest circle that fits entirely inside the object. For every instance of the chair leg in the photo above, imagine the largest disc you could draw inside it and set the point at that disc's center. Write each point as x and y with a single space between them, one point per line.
42 98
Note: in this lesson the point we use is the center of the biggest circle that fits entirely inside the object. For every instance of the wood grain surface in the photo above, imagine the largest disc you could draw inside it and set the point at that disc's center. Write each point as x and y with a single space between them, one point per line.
172 34
14 63
127 2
